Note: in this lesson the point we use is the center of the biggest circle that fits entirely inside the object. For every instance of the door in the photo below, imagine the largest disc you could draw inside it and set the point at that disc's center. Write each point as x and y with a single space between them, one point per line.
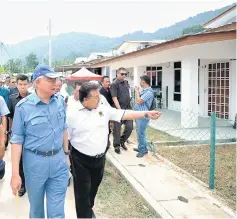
218 89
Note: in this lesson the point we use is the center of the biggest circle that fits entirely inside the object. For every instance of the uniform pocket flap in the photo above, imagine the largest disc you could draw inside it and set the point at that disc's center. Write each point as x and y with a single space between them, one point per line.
39 120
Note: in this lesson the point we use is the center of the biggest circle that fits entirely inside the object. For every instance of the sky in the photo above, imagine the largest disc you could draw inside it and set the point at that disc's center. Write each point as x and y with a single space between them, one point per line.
23 20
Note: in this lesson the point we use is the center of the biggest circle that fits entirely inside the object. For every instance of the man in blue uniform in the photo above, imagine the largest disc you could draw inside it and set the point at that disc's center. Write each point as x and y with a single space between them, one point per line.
3 120
39 130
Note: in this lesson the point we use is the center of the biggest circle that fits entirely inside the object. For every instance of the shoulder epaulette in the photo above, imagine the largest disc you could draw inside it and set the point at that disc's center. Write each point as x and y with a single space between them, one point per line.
22 101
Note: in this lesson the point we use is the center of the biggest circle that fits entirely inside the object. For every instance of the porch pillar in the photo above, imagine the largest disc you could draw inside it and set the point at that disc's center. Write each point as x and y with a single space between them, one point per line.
189 93
112 75
138 71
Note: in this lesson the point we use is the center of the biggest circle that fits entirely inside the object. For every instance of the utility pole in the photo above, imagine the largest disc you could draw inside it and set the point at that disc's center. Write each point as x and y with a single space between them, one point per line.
1 47
50 44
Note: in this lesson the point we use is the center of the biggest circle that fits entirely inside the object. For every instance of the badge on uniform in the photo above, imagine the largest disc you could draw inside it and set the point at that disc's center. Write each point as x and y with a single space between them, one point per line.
101 113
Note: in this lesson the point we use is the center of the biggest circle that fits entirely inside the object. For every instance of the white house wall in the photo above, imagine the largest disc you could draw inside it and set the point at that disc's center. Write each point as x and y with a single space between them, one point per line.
103 71
168 80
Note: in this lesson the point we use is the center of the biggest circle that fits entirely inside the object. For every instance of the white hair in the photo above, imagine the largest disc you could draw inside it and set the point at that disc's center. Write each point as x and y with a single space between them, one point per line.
34 83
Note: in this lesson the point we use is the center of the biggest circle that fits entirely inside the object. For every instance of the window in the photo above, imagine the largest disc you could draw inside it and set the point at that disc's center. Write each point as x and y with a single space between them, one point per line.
147 45
177 81
155 75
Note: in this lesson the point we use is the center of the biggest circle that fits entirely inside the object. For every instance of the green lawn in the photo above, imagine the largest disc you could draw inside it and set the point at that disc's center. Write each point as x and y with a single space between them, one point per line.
117 199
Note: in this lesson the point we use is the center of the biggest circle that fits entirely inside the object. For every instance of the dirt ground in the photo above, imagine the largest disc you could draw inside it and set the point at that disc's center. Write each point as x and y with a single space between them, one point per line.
196 159
117 199
155 135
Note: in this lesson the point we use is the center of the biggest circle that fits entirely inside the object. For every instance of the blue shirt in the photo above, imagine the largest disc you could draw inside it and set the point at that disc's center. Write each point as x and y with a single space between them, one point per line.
3 109
37 125
147 96
4 92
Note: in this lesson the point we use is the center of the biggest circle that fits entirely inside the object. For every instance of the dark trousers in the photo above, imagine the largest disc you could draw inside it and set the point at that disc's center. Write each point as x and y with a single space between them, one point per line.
8 136
21 172
125 135
87 176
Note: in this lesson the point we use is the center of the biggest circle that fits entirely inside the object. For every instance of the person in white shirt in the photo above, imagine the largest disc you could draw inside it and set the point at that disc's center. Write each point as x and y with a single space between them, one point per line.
88 135
72 101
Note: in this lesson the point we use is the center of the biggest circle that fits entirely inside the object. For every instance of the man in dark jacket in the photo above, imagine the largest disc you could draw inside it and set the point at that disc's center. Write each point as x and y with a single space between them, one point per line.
121 99
22 86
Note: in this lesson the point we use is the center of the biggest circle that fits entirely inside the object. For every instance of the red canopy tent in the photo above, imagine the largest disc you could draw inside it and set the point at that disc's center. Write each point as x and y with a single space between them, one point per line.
84 75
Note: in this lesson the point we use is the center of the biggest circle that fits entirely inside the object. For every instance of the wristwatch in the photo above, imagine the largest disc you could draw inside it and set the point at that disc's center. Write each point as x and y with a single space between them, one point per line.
146 115
67 153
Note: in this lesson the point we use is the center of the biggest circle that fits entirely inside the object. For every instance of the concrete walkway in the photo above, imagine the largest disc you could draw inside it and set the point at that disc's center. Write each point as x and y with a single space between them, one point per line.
161 185
11 207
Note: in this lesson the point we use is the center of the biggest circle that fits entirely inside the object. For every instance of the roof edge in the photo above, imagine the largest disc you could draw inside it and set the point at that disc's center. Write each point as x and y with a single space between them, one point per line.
220 15
153 48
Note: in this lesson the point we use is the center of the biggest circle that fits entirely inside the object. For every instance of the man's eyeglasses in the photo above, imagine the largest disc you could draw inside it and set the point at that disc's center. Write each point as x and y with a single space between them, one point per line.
94 97
124 74
51 80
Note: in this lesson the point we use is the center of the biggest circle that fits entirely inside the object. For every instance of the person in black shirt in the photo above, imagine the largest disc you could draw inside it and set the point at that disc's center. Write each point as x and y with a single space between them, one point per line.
104 90
105 82
12 87
22 82
121 100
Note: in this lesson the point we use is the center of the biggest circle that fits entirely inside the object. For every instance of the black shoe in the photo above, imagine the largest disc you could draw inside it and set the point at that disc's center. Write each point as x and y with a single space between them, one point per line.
22 191
124 146
117 150
141 154
2 173
136 149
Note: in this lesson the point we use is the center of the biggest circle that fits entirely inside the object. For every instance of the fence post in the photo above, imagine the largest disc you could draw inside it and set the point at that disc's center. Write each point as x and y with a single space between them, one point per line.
212 151
134 97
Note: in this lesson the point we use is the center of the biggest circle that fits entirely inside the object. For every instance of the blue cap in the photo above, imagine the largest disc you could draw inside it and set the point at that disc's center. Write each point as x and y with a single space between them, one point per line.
44 70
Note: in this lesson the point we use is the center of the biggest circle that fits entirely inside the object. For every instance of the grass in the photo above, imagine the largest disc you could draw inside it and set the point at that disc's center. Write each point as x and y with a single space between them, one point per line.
117 199
196 159
156 135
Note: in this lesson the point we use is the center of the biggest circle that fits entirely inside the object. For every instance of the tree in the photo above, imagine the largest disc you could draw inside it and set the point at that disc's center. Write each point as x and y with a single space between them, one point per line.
193 29
31 62
13 66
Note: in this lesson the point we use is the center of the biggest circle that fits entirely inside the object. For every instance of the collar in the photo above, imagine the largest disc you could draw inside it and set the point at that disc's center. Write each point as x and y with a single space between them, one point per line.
144 89
105 89
120 81
18 95
80 106
36 98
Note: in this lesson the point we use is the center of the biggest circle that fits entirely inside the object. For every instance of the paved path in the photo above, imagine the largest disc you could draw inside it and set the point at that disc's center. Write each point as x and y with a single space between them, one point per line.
161 186
8 201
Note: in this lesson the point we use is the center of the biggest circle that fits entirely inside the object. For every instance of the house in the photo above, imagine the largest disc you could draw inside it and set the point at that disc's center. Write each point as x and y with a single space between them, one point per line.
131 46
80 60
194 74
99 55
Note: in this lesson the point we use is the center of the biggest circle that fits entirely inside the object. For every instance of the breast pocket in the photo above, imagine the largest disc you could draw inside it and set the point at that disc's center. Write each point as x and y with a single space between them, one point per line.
38 127
61 119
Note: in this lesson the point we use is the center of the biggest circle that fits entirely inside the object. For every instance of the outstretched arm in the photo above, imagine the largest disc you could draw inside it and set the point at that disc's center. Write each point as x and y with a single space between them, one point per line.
130 115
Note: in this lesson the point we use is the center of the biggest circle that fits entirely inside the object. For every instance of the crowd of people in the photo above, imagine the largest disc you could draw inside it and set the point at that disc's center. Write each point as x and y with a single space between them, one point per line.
53 135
